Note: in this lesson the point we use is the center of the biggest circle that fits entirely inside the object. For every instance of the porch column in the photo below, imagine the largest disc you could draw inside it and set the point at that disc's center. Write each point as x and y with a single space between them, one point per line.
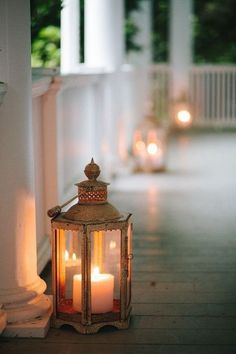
142 59
142 19
70 42
3 319
180 46
104 45
104 49
21 289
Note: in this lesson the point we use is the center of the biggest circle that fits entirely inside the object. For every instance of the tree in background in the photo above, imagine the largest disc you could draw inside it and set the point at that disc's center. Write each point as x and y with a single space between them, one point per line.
45 32
214 30
160 24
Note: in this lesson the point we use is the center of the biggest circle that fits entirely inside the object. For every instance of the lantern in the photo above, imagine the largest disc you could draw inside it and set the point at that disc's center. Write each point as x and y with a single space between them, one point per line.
91 260
149 146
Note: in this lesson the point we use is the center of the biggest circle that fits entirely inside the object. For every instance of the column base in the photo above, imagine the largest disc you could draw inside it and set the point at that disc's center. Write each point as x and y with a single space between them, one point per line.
3 319
36 328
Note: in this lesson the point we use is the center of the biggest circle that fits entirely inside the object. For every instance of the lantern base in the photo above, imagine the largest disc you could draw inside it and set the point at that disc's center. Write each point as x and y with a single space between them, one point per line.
93 328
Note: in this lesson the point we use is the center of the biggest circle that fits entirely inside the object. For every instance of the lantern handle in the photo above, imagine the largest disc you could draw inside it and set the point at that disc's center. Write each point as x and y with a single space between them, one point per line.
57 209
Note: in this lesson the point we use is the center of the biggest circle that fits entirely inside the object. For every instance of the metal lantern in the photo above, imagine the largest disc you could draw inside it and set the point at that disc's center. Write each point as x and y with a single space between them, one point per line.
91 260
149 146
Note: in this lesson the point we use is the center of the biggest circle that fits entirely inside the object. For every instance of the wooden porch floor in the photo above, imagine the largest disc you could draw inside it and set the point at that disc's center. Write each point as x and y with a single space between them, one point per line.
184 267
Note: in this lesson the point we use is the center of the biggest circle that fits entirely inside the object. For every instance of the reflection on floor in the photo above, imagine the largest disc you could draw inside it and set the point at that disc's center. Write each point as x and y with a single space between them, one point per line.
184 267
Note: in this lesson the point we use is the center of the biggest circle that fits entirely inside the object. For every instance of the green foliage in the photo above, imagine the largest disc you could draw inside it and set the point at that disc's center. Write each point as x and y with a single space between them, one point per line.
131 29
45 48
45 32
214 31
160 21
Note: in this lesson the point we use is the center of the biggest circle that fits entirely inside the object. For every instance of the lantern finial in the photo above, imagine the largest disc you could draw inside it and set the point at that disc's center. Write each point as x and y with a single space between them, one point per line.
92 170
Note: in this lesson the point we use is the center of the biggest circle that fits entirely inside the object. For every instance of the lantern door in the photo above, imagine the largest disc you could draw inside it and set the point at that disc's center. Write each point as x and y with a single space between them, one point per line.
67 267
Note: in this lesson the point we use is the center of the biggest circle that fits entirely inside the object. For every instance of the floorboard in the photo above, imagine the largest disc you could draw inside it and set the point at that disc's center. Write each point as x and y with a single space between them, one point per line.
184 267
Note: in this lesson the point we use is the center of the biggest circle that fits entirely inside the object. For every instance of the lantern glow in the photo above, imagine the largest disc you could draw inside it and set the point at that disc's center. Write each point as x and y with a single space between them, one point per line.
184 116
152 148
91 260
140 145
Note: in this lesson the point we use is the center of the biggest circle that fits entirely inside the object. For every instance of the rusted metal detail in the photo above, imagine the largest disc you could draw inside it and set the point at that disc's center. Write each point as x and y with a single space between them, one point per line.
53 212
96 218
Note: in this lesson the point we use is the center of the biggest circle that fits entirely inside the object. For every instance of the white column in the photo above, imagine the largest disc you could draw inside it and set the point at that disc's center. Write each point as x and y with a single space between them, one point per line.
142 19
104 44
180 46
142 59
3 319
70 42
21 289
104 48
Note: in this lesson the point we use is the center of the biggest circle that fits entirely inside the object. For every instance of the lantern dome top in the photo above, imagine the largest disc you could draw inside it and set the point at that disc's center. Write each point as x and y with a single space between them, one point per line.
92 199
92 170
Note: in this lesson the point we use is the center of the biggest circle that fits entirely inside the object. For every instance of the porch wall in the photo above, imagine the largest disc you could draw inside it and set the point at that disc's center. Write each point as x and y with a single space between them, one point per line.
77 117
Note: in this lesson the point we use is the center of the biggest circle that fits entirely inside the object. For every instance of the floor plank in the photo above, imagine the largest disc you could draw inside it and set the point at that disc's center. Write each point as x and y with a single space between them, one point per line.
184 267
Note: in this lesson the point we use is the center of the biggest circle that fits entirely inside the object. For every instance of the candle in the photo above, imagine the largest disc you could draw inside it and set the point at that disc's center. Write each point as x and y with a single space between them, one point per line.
102 288
72 267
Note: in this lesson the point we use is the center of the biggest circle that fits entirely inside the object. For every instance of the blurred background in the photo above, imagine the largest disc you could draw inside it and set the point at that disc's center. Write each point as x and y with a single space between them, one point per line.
143 86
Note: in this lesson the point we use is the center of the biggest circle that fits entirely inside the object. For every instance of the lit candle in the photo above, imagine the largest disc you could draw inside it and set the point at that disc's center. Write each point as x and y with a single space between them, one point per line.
102 289
71 265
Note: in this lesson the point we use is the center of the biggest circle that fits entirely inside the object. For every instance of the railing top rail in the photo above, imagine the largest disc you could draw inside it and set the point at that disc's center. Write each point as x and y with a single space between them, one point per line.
213 68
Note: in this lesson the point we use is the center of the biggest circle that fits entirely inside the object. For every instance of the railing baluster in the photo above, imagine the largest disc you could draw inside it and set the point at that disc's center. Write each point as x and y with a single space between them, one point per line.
212 93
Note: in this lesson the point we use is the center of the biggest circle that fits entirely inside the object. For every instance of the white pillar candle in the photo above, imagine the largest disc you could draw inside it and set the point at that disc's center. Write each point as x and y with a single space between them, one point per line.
72 267
102 289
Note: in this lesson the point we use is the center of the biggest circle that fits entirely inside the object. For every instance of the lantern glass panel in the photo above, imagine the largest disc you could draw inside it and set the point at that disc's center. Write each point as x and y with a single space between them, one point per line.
69 264
105 271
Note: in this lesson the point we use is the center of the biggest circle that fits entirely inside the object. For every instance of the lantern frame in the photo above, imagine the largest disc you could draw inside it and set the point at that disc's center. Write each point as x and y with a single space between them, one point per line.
85 321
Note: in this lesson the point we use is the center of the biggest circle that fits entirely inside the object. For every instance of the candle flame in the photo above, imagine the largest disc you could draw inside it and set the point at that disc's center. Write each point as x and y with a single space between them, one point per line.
112 245
74 256
140 145
66 255
152 148
96 271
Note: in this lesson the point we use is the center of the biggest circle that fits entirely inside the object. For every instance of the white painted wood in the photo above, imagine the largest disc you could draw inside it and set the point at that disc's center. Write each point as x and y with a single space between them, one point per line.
70 41
180 46
43 252
3 319
104 43
22 289
37 328
161 87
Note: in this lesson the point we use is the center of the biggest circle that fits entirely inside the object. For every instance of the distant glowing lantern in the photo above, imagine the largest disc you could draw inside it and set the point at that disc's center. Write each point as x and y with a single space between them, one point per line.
149 146
91 260
182 114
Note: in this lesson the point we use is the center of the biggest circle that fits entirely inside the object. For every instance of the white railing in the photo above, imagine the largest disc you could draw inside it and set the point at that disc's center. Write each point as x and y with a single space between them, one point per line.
212 93
159 76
